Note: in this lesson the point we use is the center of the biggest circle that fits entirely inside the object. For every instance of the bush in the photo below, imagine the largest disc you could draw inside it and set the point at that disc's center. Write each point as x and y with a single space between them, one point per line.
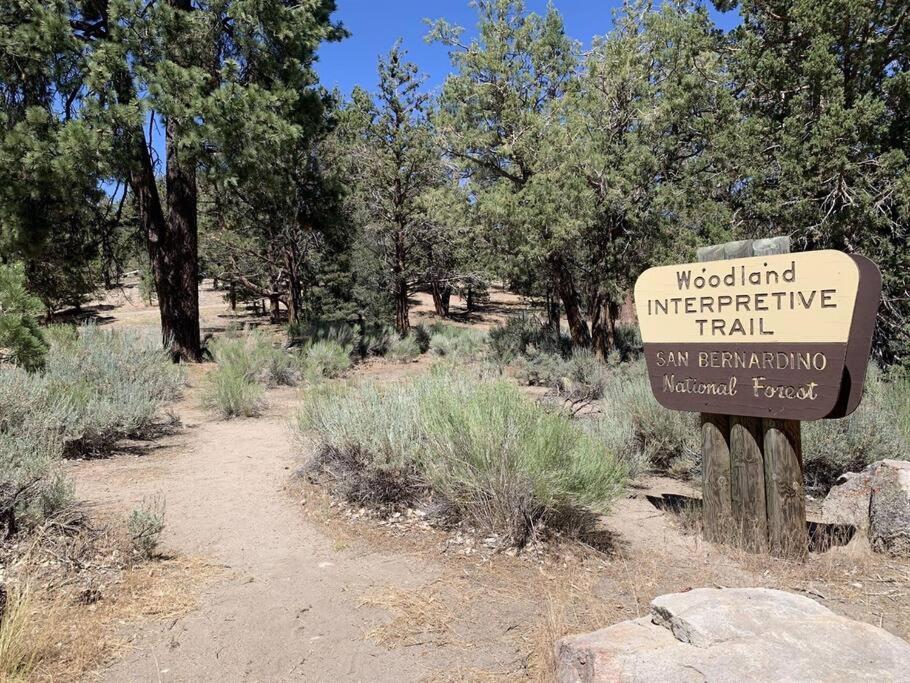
144 526
405 348
871 433
229 392
97 387
628 342
456 342
365 340
325 360
254 357
422 337
581 376
513 339
483 449
641 431
21 340
95 390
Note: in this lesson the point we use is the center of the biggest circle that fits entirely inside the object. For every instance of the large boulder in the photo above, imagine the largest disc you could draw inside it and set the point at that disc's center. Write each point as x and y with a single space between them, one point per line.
734 634
877 502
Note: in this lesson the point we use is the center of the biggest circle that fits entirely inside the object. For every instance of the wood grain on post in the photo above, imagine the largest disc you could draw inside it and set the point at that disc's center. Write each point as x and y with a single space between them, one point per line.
715 465
786 498
747 484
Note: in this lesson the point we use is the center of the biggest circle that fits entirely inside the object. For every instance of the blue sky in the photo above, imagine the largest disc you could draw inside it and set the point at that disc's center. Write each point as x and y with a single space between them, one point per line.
376 24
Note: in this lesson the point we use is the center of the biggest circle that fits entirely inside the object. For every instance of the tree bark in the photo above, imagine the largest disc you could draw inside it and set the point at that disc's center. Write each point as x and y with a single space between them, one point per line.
553 309
178 255
565 285
442 296
604 316
400 285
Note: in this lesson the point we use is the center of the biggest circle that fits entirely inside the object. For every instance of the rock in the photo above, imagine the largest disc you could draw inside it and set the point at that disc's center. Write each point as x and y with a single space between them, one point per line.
734 634
877 502
889 509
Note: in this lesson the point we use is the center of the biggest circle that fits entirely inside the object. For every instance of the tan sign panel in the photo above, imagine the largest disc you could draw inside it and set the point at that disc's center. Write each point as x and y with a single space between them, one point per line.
785 298
765 336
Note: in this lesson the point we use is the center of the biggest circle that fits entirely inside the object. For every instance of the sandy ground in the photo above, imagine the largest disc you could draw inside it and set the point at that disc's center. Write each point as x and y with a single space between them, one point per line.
311 592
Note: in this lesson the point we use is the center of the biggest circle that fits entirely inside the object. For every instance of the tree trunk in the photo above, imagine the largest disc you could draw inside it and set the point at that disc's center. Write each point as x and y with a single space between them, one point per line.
274 309
400 284
178 255
553 309
604 316
565 285
442 296
295 298
233 296
469 299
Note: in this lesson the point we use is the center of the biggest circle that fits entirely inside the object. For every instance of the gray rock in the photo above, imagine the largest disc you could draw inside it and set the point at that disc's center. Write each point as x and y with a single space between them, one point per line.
734 634
877 502
889 509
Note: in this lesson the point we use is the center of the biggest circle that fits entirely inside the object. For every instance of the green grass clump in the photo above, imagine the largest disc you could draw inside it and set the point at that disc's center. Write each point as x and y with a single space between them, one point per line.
325 360
405 348
459 343
490 454
230 393
256 358
871 433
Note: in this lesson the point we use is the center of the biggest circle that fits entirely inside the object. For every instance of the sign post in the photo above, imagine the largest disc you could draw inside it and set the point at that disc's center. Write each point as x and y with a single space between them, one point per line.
756 339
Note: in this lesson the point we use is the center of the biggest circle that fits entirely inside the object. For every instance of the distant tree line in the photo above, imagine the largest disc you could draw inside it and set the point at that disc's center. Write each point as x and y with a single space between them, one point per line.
561 171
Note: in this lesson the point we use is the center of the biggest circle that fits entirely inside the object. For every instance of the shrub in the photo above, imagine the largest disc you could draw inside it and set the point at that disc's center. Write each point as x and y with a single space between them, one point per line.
144 526
254 357
871 433
628 342
488 453
581 376
307 332
376 340
229 392
21 340
325 360
422 337
104 386
513 339
405 348
456 342
640 430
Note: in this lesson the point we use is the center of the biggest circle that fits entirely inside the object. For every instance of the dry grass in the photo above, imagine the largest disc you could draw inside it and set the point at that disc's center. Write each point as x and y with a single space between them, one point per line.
422 617
85 637
505 627
23 642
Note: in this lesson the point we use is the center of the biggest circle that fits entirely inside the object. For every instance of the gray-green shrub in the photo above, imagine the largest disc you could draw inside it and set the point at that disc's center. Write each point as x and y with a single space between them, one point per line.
871 433
325 360
144 526
255 357
580 376
404 348
481 447
456 342
519 333
229 392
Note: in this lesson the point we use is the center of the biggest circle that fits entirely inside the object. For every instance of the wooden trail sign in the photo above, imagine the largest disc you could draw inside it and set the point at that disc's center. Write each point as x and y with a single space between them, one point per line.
755 339
761 336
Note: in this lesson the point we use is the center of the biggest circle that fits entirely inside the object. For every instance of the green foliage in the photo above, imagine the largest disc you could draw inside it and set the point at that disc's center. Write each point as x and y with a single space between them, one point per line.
493 456
520 333
581 376
871 433
325 360
21 340
405 348
144 526
96 388
460 343
642 431
231 393
254 357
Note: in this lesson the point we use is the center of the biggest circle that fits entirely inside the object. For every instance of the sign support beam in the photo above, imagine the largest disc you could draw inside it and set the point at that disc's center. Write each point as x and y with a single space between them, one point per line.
752 467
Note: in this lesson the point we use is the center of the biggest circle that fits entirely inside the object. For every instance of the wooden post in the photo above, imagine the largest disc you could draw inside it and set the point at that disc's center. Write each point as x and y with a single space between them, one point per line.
751 467
715 464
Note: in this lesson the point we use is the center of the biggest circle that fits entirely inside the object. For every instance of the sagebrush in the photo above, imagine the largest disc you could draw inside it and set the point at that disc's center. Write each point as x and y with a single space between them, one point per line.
478 447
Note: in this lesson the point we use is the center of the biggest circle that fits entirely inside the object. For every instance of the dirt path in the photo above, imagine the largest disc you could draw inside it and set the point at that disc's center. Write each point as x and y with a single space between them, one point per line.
287 606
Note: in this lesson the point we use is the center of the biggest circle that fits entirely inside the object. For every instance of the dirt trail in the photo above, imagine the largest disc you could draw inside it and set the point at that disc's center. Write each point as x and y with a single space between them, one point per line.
287 605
